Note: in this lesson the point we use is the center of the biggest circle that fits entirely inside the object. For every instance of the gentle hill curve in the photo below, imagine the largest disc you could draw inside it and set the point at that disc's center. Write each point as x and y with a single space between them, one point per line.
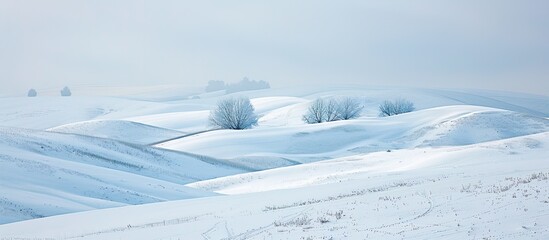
488 190
70 173
120 130
441 126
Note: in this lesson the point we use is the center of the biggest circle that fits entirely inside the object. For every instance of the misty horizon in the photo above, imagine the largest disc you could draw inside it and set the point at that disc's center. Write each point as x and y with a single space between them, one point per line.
496 45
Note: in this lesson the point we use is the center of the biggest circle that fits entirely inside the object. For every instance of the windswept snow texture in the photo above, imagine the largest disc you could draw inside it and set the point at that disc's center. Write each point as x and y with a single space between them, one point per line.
121 130
46 174
494 190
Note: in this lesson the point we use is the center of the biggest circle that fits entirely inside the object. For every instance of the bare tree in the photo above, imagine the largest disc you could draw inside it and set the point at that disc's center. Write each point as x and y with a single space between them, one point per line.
233 113
399 106
316 112
349 108
331 110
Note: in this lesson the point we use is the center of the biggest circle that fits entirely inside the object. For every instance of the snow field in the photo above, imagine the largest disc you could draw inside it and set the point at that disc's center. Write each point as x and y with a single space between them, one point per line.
459 194
467 164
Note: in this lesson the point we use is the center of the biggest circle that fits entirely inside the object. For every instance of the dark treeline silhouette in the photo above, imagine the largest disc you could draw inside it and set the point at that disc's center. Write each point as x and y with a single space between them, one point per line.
244 85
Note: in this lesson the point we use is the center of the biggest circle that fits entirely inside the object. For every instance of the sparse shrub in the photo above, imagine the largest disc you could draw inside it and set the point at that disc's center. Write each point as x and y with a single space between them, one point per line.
338 215
32 93
66 92
322 220
399 106
298 222
233 113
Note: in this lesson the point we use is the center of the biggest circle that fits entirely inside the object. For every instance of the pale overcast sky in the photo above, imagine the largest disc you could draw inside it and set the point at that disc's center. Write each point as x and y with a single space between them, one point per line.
492 44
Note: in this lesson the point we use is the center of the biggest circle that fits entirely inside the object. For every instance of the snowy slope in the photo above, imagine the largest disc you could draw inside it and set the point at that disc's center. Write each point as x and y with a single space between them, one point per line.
459 149
186 121
195 121
119 130
46 112
285 106
45 173
493 190
173 110
441 126
379 164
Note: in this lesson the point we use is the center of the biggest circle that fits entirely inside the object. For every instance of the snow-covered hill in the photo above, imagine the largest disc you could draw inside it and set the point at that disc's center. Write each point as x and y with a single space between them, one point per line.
174 109
494 190
441 126
45 173
121 130
465 164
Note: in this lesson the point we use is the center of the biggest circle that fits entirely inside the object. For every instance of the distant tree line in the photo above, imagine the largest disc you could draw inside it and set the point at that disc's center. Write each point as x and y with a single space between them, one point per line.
244 85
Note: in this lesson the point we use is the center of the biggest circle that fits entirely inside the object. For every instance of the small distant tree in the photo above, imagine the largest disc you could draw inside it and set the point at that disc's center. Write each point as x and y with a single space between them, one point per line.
233 113
399 106
66 92
349 108
32 93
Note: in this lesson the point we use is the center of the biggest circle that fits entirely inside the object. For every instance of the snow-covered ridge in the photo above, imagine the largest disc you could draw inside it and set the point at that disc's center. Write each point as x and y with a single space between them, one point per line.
441 126
496 189
430 172
120 130
379 164
45 112
71 173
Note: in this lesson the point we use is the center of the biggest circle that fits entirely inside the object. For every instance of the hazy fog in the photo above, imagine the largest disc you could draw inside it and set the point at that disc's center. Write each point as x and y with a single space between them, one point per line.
497 44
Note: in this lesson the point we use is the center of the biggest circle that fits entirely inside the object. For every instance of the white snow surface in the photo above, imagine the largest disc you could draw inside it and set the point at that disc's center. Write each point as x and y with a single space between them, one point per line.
441 126
45 112
492 190
119 130
45 173
467 164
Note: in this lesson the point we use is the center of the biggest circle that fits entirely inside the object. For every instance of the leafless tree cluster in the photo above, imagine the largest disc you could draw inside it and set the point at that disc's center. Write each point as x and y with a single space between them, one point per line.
399 106
329 110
